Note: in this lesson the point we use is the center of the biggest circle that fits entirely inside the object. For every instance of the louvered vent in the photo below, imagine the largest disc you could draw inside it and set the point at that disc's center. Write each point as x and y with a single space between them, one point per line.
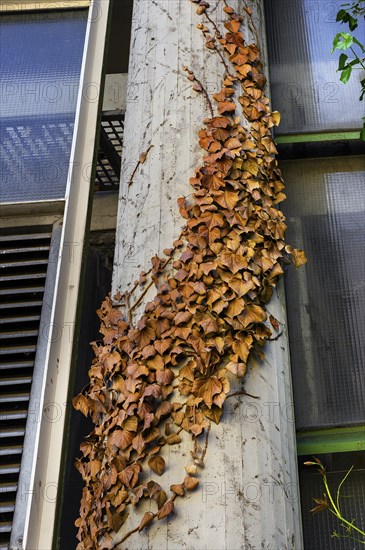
24 256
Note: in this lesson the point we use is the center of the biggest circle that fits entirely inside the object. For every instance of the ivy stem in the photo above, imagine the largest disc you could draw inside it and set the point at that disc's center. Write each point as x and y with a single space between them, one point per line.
336 510
358 58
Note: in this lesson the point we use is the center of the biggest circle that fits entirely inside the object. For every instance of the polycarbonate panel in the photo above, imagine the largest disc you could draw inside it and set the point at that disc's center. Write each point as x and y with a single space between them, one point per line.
318 527
40 63
304 83
326 299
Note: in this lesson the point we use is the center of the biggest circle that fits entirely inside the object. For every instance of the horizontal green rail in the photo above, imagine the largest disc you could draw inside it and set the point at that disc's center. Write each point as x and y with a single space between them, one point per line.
322 136
332 440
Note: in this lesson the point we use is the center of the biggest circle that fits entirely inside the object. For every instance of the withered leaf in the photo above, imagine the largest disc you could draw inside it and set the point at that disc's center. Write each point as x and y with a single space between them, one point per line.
173 439
232 26
164 376
166 509
160 497
226 107
274 322
252 314
157 464
206 388
117 520
239 369
191 483
121 438
178 489
146 520
80 403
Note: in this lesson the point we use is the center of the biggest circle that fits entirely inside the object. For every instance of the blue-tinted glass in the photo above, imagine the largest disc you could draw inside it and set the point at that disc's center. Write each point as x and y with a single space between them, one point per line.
40 62
305 83
325 299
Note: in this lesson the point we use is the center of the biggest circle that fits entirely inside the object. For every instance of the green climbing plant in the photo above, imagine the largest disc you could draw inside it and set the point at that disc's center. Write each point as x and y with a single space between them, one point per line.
354 58
333 504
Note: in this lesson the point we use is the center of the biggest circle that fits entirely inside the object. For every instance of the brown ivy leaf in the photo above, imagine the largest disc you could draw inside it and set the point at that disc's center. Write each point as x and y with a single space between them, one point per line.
146 520
206 388
274 322
213 414
220 122
173 439
242 349
235 307
131 424
121 439
165 376
80 403
239 369
232 26
138 443
135 370
157 464
191 483
164 409
275 116
252 314
166 509
160 497
178 489
226 107
298 256
234 262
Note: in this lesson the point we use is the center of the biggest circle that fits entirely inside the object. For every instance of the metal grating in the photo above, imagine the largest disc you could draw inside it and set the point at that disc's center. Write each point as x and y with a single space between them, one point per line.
24 257
110 152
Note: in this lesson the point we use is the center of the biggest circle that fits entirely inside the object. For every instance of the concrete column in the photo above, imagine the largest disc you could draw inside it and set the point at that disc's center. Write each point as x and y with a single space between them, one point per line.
248 495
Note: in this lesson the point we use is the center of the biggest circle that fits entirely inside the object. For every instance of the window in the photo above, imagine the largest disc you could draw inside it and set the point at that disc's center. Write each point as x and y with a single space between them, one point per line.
304 83
323 165
41 56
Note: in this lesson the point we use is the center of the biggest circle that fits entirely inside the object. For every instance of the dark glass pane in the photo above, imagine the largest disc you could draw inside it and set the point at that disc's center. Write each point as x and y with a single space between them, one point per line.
305 85
40 64
318 528
326 299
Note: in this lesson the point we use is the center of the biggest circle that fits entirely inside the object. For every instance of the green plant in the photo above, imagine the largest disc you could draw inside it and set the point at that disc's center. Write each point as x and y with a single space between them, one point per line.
349 14
329 502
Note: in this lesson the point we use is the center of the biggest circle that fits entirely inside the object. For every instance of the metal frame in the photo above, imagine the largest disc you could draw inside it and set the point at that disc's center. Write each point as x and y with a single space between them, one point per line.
320 136
77 214
333 440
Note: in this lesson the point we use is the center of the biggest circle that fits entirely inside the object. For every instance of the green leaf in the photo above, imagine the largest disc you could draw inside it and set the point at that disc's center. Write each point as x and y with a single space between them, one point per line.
342 41
340 15
353 23
342 61
345 75
362 134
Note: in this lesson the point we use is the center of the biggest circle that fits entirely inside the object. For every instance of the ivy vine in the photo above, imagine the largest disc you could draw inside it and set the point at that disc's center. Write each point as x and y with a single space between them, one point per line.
168 375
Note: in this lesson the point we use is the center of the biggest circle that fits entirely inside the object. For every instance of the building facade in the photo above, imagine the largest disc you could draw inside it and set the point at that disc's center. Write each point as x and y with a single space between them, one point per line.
81 217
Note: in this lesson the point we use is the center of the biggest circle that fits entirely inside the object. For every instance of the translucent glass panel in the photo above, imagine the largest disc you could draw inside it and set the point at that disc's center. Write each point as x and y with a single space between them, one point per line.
326 299
305 85
40 63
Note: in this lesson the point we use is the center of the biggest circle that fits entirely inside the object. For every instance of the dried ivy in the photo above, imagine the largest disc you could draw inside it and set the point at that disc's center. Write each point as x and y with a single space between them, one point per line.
169 374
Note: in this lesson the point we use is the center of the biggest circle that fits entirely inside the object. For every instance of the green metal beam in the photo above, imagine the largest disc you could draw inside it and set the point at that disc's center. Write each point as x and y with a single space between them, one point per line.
321 136
333 440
